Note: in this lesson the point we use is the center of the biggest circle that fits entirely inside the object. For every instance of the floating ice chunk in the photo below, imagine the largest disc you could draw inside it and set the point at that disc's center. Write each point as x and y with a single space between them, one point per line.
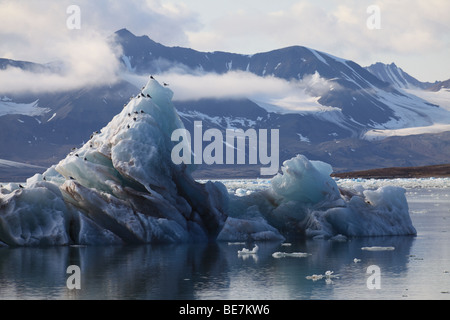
377 248
304 200
236 243
356 260
315 277
290 254
328 276
245 251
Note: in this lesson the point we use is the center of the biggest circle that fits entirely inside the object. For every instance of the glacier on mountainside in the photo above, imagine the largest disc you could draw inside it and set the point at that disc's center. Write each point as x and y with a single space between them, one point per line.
122 187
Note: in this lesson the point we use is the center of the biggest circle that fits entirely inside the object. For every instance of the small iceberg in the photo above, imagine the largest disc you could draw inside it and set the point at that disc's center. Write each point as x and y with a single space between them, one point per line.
377 248
278 255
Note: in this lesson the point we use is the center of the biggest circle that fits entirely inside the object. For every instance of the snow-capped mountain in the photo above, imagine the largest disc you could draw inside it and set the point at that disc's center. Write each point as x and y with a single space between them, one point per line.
355 98
24 65
440 85
142 55
395 76
41 128
339 112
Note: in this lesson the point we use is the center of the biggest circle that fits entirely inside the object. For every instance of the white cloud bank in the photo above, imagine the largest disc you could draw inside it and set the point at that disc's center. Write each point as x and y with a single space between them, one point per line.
238 84
415 34
37 31
272 93
88 62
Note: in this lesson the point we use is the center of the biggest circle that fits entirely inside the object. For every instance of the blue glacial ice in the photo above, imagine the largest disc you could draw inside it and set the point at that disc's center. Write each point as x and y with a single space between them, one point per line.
303 200
122 187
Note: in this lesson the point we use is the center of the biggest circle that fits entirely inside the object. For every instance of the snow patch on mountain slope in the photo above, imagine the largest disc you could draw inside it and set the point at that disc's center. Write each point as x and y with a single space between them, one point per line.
376 134
440 98
14 164
416 114
32 109
224 122
301 103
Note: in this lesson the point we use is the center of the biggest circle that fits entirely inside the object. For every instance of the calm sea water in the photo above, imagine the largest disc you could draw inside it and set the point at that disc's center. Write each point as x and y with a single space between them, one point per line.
418 267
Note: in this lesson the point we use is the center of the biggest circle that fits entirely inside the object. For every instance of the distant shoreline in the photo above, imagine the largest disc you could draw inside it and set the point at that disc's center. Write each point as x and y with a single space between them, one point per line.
436 171
243 172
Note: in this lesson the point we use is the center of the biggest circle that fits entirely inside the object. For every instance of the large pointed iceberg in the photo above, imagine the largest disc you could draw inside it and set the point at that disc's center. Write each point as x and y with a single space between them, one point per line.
122 187
119 187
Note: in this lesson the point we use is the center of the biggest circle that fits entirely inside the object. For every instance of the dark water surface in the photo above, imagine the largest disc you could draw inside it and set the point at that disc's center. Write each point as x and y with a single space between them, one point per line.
417 268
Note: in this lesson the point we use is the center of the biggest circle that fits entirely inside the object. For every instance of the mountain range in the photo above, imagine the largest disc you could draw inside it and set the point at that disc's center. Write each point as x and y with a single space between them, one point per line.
353 117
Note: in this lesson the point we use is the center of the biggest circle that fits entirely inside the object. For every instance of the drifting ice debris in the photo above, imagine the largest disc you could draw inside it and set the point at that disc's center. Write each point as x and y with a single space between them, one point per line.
290 254
315 277
328 276
245 251
376 248
130 191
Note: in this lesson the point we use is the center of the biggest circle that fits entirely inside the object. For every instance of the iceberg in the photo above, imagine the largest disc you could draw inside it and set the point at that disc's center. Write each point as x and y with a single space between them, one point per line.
303 200
119 187
122 187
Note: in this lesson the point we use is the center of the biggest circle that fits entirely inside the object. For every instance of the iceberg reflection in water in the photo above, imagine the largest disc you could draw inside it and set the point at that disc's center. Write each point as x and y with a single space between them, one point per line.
186 271
417 268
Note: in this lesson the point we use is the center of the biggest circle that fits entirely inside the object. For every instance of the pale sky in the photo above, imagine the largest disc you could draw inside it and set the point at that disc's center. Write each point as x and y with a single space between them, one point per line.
415 34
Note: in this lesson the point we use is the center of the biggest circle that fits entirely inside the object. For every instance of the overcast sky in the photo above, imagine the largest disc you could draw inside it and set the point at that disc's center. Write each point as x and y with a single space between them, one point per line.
415 34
